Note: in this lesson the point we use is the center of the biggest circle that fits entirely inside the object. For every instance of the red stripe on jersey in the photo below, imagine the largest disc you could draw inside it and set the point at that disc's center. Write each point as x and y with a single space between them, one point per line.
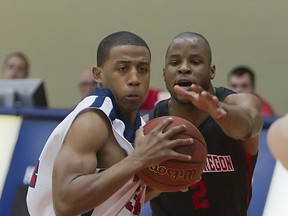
249 158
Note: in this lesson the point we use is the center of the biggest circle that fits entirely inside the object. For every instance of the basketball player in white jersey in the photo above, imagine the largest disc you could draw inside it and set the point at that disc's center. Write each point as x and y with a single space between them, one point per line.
89 162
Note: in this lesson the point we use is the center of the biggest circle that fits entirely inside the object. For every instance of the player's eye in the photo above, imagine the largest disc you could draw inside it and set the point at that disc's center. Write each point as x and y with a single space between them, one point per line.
174 62
122 68
143 69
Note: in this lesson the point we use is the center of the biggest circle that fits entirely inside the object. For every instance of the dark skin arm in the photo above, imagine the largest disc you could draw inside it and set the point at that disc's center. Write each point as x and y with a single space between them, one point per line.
76 188
239 115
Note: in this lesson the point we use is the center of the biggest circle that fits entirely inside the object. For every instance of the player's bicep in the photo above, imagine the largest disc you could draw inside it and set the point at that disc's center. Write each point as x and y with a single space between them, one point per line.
244 100
78 154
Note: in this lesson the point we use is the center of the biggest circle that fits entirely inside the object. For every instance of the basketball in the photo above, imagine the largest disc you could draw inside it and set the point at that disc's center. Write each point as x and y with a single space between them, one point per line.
174 175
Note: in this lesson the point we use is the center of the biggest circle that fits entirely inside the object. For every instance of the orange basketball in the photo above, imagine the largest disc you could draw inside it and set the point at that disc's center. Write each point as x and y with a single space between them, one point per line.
173 175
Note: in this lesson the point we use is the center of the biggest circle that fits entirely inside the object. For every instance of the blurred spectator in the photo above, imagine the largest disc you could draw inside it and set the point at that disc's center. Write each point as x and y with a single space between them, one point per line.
87 83
153 96
241 79
15 66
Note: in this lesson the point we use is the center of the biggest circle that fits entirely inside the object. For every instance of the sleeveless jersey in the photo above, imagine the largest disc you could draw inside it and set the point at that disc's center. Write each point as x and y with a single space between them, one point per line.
225 188
128 200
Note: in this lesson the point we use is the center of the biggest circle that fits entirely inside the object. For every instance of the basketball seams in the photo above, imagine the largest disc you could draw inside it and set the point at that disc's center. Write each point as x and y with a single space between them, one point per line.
196 138
175 119
173 180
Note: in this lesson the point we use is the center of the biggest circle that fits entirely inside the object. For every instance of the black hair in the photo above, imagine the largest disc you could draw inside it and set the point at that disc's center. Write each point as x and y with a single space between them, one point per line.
117 39
242 70
194 35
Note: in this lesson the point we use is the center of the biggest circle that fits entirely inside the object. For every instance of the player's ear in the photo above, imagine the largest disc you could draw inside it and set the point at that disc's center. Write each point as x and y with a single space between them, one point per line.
163 74
97 72
212 71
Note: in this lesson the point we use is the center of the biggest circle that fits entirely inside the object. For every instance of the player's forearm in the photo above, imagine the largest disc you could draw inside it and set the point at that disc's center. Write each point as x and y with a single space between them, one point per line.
86 192
240 122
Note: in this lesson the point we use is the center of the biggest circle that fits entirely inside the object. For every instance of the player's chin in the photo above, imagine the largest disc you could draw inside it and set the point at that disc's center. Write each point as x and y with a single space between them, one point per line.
131 107
182 99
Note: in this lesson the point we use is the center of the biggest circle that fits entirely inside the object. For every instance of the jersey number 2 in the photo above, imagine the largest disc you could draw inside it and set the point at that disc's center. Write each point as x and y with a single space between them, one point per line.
199 194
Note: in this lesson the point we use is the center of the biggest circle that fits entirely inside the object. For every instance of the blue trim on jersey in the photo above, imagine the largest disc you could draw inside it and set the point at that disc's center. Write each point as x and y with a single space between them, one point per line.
130 130
102 93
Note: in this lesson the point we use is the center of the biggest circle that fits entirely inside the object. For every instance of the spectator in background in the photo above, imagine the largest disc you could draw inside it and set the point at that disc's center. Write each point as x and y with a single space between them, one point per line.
87 83
15 66
241 79
153 96
151 99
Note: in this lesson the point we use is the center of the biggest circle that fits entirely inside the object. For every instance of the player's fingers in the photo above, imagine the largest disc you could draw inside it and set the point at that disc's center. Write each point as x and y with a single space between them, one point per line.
209 98
196 88
186 93
162 125
180 156
181 91
173 131
180 142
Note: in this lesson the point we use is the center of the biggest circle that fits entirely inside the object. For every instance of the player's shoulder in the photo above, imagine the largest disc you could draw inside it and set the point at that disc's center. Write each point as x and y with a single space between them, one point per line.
222 93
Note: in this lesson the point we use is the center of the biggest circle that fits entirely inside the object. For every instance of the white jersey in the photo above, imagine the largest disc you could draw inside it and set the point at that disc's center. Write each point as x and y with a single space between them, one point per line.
128 200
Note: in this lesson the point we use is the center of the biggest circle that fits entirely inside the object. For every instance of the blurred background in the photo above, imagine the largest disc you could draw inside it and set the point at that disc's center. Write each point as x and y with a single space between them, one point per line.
60 38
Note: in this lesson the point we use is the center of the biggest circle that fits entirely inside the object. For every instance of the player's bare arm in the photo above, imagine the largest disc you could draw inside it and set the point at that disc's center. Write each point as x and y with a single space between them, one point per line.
82 153
243 120
76 186
239 115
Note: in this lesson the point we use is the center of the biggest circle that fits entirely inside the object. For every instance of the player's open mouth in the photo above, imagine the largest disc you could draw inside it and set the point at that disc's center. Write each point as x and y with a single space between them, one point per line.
184 83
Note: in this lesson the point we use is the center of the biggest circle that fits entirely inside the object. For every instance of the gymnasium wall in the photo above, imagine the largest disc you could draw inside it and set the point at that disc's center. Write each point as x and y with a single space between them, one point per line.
24 132
61 37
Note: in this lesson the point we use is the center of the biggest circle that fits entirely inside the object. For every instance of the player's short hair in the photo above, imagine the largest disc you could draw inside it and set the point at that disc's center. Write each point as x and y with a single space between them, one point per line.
117 39
194 35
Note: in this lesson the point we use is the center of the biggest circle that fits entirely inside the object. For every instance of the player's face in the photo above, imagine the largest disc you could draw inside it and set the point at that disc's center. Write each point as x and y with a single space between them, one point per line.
126 73
241 84
15 68
187 63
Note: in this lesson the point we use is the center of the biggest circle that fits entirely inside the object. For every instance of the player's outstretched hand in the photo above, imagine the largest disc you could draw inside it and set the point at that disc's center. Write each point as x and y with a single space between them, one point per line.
202 99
